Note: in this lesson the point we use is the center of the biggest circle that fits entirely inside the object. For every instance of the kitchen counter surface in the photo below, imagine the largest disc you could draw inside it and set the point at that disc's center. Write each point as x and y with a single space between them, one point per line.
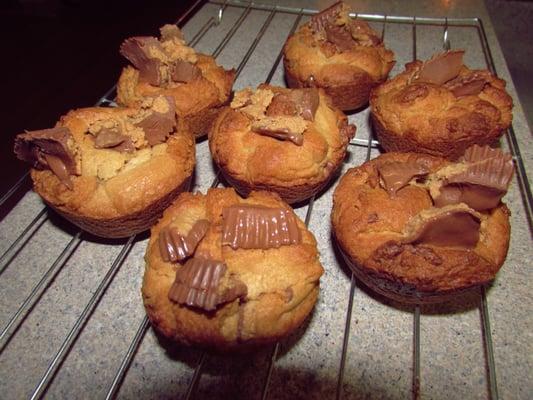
379 353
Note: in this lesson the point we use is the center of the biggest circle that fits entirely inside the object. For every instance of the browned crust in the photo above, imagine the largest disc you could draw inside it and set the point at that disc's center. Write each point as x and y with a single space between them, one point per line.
438 123
126 225
254 162
365 219
347 96
197 102
269 312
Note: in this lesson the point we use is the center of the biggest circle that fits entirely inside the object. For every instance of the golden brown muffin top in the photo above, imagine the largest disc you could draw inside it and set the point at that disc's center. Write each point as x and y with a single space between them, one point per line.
167 66
442 100
110 155
281 136
271 280
419 218
331 39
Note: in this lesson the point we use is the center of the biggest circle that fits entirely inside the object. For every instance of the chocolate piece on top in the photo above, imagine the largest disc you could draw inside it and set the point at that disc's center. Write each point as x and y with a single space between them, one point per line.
396 175
158 126
302 102
136 50
175 247
441 68
114 140
279 133
48 149
340 36
453 228
325 17
482 184
197 284
184 72
257 227
467 85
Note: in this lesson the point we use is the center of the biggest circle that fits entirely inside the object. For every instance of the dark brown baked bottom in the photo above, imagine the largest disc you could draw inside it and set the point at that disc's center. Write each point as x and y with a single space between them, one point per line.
451 150
346 97
127 225
397 290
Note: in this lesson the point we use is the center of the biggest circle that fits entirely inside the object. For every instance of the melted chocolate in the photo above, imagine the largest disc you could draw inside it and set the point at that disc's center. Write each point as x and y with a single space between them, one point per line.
302 102
441 68
158 126
135 49
175 247
197 284
455 228
281 134
257 227
340 36
48 149
467 85
482 184
396 175
114 140
183 71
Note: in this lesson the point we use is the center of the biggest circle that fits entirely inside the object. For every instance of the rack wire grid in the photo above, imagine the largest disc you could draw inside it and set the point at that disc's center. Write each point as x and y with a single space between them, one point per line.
72 322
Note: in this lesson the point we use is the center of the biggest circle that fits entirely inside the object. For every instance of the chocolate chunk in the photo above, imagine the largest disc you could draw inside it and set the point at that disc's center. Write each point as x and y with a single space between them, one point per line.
468 85
136 50
114 140
482 184
396 175
302 102
158 126
413 92
257 227
363 34
441 68
454 228
183 71
340 36
169 32
327 16
48 149
197 284
427 254
175 247
281 134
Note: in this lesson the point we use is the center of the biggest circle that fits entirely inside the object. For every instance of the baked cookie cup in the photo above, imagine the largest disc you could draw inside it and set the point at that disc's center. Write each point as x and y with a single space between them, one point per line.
111 171
341 55
440 107
168 67
419 229
227 273
290 141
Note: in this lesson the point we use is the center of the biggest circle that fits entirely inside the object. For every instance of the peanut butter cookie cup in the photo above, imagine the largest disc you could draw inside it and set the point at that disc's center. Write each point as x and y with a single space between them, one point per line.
111 171
290 141
440 107
167 66
418 228
223 272
344 56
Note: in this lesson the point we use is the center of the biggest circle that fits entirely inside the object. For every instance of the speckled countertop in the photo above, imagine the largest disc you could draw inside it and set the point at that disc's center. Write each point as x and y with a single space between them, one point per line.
379 354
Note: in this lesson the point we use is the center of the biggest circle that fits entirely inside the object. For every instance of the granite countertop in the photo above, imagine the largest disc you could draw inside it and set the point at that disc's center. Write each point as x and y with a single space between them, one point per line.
379 354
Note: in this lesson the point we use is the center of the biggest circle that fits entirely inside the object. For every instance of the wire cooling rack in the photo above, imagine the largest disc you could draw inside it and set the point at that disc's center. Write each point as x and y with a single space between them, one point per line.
321 360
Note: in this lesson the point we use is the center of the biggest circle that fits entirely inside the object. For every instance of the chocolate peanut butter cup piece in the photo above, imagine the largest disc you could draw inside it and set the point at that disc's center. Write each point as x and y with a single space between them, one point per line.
482 184
158 126
325 17
452 228
198 284
280 133
340 36
396 175
184 72
297 102
113 139
174 246
137 51
441 68
48 149
471 84
259 227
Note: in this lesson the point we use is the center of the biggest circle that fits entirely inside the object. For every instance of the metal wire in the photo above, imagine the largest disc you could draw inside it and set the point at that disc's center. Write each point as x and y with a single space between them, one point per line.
14 188
487 340
416 353
38 291
232 31
80 323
